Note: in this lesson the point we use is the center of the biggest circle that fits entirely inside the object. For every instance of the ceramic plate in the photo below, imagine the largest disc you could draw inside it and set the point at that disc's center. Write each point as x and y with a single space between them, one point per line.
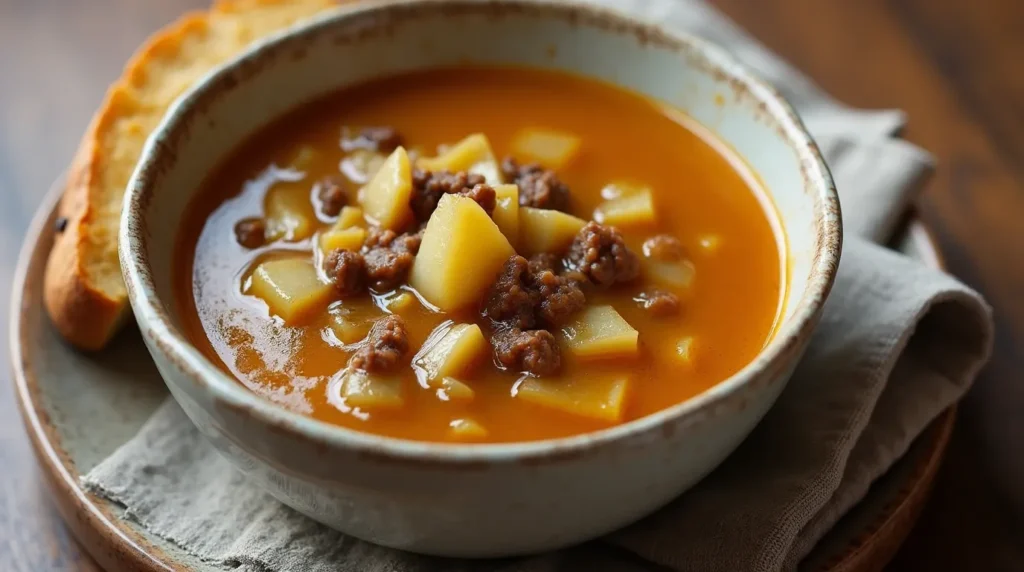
79 408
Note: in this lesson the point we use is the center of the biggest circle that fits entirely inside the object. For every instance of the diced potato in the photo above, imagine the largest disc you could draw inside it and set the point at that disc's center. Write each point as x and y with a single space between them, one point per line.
506 211
553 149
401 303
371 391
385 199
349 330
289 212
678 274
350 324
630 210
467 429
600 332
709 242
545 230
451 350
451 389
350 217
472 154
361 165
460 256
601 396
290 287
304 158
620 189
346 239
684 351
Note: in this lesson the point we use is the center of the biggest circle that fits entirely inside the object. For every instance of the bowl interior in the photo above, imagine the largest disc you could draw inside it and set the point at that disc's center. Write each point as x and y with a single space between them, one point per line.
353 45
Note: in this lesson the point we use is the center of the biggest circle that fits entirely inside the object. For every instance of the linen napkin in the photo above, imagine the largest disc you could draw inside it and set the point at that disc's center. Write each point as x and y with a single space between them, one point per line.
898 343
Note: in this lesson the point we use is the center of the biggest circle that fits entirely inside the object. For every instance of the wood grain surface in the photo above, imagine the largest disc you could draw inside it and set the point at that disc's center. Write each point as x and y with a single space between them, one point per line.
953 65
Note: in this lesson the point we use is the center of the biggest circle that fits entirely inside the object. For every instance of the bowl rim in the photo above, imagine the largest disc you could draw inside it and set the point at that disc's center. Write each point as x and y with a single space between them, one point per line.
770 364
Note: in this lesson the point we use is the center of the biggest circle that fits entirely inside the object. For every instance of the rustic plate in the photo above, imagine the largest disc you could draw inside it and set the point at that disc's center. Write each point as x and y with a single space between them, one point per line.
78 408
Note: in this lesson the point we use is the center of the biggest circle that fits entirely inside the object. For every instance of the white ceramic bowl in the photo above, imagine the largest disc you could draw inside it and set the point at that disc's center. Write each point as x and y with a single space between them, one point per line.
496 499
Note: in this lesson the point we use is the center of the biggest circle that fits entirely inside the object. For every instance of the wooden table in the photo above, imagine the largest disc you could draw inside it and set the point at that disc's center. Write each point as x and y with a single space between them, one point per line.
955 67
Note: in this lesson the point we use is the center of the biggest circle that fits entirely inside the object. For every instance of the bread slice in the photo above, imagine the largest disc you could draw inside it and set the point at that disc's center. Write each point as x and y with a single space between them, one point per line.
83 290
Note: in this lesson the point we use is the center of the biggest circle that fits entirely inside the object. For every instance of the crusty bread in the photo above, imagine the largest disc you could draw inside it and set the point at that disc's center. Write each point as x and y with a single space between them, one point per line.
83 290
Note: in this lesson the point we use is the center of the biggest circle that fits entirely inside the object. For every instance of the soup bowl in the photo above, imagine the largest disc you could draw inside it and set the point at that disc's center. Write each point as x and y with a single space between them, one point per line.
483 499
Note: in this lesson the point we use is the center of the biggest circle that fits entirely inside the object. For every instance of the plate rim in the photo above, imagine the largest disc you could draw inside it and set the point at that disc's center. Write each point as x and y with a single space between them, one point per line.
115 544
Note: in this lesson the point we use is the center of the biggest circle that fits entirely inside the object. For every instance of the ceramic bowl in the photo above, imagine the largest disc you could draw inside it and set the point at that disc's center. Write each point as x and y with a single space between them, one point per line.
490 499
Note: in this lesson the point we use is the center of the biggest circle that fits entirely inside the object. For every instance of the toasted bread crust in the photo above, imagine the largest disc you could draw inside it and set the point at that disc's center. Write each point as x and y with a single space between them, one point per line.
82 289
85 316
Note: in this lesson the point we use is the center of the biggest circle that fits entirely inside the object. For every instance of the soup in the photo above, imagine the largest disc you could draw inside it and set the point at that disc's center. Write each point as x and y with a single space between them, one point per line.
480 255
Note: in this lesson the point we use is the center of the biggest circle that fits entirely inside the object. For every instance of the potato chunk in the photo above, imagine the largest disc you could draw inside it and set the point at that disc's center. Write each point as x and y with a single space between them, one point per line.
289 212
290 287
506 211
601 397
467 430
460 256
348 329
400 302
472 154
630 210
346 239
371 391
619 189
451 350
600 332
385 199
552 149
545 230
350 217
451 389
350 320
678 274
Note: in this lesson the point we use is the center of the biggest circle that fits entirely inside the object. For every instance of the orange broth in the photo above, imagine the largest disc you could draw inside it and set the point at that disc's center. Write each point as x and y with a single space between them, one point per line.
703 196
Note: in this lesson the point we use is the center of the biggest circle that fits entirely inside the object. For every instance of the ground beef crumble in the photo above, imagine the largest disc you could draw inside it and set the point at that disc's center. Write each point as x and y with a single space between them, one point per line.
511 299
389 257
385 346
429 186
664 248
251 232
600 254
331 195
538 187
559 297
348 269
545 261
527 296
533 351
659 303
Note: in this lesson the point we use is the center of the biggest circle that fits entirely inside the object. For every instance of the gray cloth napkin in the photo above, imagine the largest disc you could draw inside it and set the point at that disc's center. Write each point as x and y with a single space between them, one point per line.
897 345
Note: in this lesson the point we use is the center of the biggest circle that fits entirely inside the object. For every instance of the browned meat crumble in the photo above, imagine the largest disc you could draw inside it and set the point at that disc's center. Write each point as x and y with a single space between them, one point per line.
538 187
251 232
331 195
389 257
429 186
385 346
532 351
600 253
348 270
659 303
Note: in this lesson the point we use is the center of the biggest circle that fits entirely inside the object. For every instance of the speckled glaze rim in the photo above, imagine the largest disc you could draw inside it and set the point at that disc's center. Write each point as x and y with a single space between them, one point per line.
728 396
